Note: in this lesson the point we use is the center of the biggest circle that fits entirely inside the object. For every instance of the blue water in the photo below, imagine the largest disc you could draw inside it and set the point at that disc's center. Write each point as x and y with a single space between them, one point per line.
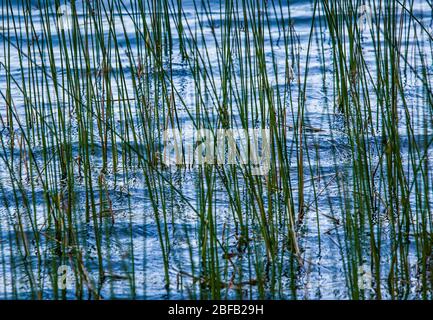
132 255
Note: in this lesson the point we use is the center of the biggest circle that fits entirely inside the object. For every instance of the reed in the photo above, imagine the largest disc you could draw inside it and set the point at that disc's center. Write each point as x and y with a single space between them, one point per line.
87 93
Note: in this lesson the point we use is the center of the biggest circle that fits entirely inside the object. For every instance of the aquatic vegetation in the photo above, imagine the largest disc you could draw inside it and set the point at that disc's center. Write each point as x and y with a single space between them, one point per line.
334 98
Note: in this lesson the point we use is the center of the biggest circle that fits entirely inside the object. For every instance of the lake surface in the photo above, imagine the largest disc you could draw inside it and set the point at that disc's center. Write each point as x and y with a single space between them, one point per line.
45 78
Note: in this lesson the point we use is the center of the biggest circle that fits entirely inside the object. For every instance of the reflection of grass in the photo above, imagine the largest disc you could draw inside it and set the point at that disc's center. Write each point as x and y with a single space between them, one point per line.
88 107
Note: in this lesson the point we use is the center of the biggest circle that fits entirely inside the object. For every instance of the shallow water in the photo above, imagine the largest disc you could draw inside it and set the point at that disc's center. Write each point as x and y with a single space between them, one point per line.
131 252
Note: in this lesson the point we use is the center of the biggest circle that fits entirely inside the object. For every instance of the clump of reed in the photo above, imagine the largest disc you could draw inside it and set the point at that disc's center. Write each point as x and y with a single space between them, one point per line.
86 103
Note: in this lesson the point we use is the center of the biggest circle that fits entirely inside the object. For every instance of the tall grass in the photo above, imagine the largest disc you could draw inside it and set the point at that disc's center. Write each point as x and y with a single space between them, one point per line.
84 185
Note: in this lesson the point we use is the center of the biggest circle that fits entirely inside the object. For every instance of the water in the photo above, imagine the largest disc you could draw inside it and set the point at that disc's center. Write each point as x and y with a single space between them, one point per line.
131 254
